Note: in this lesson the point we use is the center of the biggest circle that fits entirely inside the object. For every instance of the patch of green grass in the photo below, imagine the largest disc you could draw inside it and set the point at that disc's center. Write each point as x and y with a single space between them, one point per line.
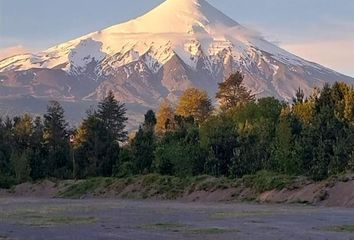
168 186
171 187
223 215
340 228
44 217
173 227
187 229
265 181
82 187
212 230
42 221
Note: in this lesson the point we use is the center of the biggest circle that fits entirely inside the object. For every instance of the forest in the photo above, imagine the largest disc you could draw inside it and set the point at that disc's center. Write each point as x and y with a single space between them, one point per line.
312 136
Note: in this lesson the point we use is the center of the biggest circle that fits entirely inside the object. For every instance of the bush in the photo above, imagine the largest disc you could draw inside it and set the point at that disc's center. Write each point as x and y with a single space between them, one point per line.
126 169
7 182
265 181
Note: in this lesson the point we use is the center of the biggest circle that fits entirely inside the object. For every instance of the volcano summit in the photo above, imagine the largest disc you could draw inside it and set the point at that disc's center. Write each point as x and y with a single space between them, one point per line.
179 44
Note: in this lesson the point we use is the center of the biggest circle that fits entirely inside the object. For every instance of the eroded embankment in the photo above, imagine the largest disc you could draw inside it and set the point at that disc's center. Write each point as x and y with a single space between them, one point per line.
263 187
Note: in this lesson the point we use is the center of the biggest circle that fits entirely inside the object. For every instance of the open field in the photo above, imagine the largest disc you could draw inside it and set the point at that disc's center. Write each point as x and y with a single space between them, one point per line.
37 219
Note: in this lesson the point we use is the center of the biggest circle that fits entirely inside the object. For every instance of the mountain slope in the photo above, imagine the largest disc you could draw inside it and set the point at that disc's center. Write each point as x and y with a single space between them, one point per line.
179 44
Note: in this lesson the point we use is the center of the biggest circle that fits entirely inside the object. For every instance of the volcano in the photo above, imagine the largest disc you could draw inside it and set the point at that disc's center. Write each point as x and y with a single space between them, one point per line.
177 45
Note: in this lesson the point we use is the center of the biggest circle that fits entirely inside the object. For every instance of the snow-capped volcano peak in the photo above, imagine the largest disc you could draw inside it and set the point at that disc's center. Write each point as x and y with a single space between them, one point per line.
176 16
178 44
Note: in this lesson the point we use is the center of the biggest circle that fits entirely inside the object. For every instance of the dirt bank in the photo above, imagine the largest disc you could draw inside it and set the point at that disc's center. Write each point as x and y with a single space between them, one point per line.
334 192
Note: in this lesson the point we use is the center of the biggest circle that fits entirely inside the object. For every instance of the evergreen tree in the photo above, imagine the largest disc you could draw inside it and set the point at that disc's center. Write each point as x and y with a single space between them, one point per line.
56 141
96 150
143 145
299 96
232 93
38 151
150 120
113 115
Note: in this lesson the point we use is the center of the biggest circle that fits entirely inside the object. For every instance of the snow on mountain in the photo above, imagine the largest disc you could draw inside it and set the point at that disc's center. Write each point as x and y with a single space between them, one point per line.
179 44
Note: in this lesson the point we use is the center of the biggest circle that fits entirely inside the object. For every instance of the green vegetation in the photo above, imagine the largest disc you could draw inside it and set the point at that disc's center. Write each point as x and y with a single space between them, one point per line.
262 143
225 215
264 181
80 188
43 221
6 182
342 228
173 227
187 229
43 217
151 185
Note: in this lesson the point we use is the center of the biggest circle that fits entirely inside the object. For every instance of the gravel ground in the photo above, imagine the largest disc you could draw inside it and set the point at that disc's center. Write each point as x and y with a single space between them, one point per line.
37 219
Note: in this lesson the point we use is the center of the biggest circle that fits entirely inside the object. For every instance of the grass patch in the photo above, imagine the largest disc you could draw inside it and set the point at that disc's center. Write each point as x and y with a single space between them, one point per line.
213 183
224 215
265 181
168 186
42 221
82 187
173 227
187 229
340 228
213 230
44 217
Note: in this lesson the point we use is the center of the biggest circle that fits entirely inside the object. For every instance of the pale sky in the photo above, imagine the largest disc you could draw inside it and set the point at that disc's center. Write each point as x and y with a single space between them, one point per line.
317 30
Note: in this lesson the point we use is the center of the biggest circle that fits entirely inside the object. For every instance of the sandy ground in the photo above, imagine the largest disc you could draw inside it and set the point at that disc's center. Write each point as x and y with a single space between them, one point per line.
37 219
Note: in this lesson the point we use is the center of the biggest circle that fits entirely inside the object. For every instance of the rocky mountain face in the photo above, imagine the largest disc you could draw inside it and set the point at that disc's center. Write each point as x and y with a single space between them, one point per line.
179 44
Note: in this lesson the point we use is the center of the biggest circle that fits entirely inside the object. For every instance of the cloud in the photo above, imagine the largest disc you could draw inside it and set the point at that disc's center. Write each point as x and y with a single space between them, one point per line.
13 50
335 54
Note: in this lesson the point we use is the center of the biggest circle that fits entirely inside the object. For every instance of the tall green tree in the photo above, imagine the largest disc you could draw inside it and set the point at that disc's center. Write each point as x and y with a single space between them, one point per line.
143 145
21 166
5 145
219 138
179 153
56 141
96 150
38 150
113 115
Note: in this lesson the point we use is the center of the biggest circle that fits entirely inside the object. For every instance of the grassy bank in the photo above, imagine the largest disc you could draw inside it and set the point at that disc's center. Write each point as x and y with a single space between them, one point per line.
170 187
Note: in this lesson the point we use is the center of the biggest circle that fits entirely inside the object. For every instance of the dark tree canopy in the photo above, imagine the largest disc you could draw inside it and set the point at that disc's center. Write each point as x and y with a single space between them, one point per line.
150 120
312 137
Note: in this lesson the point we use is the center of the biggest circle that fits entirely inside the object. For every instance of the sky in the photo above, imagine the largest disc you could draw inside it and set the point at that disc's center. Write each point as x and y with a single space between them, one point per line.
318 30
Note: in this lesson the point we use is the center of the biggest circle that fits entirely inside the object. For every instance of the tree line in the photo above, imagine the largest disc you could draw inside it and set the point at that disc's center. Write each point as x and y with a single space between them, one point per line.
312 136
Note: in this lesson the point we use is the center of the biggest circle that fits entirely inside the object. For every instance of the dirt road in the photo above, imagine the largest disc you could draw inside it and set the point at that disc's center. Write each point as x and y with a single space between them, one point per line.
38 219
